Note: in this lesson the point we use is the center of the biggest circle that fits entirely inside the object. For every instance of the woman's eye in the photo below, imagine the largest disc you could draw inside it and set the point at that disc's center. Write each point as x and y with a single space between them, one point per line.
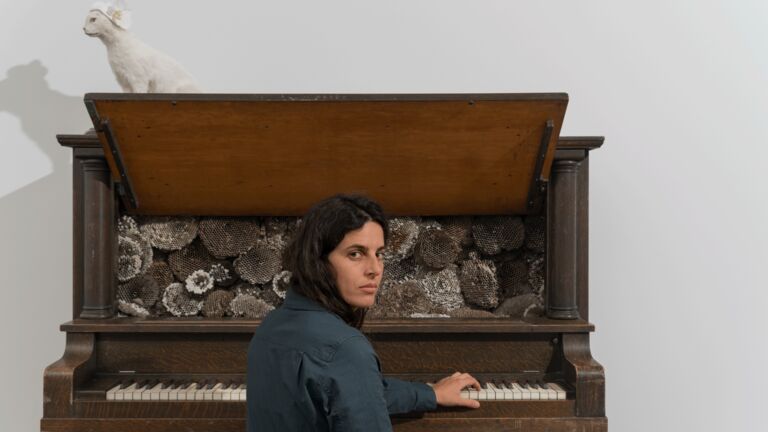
354 254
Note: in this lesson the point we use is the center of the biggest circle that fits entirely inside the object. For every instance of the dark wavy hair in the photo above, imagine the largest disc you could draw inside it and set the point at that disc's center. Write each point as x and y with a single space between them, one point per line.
320 231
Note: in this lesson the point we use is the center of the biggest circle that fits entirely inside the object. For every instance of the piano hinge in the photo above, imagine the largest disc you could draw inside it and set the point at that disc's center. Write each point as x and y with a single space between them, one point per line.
538 184
90 106
126 372
125 189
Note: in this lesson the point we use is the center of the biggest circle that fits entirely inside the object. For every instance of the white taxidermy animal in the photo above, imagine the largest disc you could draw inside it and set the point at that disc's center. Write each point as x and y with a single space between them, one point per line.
138 67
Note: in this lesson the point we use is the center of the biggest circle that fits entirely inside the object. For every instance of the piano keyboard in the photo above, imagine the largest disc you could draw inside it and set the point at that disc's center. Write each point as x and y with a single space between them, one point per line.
512 390
177 391
154 390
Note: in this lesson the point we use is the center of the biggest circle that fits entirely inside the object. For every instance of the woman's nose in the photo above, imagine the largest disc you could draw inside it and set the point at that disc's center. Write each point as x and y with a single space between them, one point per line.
375 266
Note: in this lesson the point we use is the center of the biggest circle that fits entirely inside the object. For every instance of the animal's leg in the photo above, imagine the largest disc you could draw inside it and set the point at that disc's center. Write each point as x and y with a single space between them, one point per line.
138 85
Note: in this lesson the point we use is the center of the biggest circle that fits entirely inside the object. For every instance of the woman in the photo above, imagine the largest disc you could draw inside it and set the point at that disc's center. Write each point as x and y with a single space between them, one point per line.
309 366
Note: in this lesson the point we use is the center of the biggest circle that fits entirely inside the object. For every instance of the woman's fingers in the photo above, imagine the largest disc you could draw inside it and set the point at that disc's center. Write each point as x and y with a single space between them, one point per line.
470 381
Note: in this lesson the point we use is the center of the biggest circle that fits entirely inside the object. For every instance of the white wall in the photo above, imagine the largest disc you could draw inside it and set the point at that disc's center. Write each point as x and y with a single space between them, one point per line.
678 200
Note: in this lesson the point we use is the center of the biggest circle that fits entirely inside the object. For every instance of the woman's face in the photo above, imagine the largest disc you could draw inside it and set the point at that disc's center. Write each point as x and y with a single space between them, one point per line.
358 264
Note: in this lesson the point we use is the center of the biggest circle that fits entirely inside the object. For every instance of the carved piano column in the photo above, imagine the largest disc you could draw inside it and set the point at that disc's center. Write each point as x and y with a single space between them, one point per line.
98 213
562 220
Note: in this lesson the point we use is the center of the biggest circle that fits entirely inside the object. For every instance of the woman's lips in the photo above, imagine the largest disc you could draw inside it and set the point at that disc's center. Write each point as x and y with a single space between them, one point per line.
370 289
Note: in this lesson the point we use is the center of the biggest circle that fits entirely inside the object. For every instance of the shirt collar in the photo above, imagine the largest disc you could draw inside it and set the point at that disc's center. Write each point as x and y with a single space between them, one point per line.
294 300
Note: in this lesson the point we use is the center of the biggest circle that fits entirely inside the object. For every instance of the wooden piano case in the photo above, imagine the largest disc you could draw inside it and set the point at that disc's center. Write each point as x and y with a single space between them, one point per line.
275 155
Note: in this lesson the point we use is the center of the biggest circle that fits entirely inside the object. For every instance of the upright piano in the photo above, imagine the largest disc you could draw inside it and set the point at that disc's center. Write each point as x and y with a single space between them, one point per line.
273 155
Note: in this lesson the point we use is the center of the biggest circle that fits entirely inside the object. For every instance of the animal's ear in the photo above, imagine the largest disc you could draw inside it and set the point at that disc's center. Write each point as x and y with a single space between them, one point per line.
117 12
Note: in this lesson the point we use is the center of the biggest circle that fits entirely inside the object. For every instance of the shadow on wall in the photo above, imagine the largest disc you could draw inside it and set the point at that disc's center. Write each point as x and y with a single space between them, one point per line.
36 233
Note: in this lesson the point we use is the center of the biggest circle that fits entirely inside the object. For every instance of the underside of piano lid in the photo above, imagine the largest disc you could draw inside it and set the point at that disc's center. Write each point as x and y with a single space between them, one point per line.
458 154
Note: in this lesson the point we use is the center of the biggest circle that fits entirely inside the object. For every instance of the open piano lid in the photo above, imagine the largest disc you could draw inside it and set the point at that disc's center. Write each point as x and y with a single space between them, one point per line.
277 154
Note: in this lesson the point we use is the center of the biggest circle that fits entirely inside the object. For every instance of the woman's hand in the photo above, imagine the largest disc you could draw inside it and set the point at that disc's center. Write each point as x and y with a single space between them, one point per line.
447 390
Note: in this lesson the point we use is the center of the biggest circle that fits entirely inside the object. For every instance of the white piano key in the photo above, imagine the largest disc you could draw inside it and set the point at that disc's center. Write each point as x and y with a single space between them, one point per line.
508 393
173 394
188 392
543 393
241 392
482 394
559 390
163 395
472 393
218 392
516 393
551 392
111 392
525 393
138 391
127 393
227 394
498 394
200 393
121 394
153 393
535 395
501 394
208 393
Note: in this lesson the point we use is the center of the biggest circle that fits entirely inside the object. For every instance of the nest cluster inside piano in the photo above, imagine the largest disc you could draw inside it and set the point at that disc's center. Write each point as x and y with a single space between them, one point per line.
453 266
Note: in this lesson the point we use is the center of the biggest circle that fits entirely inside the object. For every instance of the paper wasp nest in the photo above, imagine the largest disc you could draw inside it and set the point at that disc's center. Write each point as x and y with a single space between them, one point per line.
199 282
132 309
535 233
513 277
459 228
178 301
134 253
229 236
190 259
281 282
536 278
478 282
282 226
127 225
161 273
403 233
403 300
436 249
169 233
216 303
492 234
248 306
260 263
142 290
396 271
443 287
269 296
223 273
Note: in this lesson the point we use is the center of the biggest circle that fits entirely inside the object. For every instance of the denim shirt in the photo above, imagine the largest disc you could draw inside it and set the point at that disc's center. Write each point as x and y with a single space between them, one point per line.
308 370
